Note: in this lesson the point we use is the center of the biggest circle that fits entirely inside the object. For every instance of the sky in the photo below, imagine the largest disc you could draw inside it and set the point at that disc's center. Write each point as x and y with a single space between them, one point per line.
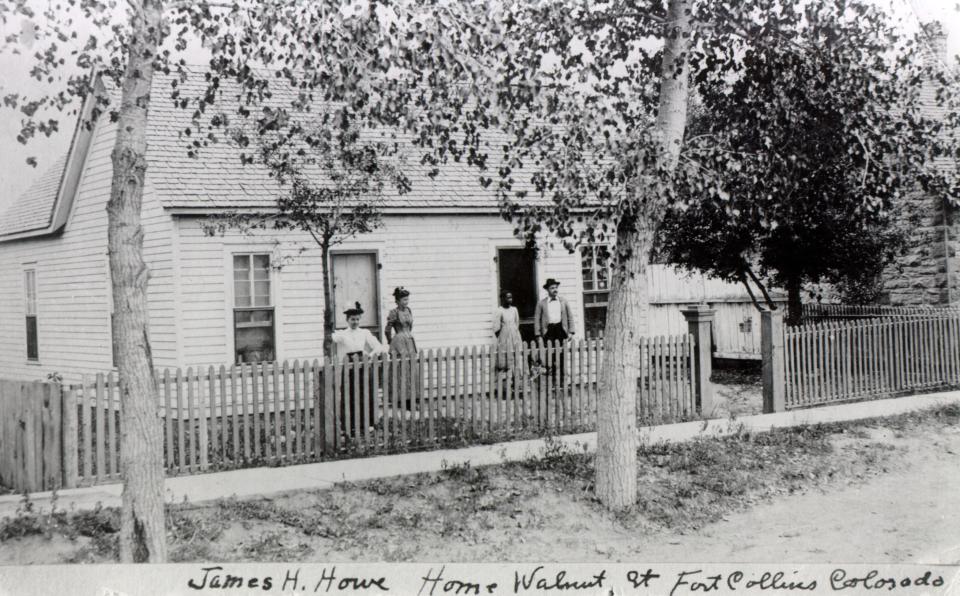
16 176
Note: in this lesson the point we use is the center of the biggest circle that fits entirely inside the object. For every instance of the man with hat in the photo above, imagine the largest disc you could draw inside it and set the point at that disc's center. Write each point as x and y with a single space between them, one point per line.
553 320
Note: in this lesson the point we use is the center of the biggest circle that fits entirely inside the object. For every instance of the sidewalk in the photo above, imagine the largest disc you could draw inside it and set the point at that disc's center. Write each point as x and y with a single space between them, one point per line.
264 482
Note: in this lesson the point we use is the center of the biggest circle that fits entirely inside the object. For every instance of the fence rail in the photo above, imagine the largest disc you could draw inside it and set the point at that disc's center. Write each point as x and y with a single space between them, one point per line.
217 418
836 361
813 313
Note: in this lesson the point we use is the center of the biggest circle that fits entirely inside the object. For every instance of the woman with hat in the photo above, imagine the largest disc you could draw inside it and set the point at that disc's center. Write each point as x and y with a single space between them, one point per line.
352 344
400 337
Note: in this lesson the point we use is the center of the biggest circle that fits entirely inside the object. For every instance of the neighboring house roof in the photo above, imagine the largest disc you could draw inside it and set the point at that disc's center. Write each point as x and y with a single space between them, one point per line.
33 210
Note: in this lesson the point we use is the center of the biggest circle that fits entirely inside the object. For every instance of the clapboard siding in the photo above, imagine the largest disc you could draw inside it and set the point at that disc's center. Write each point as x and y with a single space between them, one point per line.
72 283
446 261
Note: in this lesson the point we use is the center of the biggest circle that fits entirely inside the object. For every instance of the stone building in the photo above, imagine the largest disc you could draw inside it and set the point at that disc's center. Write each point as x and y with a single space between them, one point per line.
928 273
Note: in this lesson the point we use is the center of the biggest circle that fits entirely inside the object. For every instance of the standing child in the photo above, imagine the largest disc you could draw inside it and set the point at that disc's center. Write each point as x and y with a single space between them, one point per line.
506 326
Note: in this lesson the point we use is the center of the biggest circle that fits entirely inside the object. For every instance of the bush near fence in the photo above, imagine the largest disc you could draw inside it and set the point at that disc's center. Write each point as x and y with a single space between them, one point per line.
218 418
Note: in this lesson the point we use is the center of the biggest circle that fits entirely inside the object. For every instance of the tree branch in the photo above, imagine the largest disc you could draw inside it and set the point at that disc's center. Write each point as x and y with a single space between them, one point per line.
746 284
763 290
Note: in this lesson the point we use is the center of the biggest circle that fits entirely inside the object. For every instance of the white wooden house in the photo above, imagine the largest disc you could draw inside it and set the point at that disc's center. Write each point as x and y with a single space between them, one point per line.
223 299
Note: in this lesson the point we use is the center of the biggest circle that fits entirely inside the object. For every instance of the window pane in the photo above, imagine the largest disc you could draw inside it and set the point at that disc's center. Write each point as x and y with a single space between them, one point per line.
602 276
260 316
30 287
113 344
241 263
261 263
594 319
253 336
586 264
261 293
33 348
253 318
241 293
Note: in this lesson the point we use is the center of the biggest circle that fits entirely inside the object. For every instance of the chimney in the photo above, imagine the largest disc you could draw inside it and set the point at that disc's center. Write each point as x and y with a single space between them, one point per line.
936 38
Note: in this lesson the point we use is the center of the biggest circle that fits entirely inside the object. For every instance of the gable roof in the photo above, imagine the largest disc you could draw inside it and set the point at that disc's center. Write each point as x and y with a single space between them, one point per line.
33 210
218 180
44 208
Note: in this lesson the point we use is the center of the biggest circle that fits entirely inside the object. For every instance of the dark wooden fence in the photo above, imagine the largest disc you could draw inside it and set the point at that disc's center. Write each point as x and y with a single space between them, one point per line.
31 431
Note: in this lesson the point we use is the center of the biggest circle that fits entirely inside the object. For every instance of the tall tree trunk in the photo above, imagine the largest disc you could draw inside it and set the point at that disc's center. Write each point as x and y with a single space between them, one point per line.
329 317
794 302
616 474
142 531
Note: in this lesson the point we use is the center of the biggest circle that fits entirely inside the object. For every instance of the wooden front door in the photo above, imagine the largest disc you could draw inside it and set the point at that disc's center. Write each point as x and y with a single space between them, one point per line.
355 280
517 273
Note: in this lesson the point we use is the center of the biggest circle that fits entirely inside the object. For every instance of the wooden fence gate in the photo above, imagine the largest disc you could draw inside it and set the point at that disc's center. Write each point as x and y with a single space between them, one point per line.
31 448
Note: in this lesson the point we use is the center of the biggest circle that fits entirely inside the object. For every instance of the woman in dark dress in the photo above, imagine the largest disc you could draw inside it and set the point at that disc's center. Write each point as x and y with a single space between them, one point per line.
402 346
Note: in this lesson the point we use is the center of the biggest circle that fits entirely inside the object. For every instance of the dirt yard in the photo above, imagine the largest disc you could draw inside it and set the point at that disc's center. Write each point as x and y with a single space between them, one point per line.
877 491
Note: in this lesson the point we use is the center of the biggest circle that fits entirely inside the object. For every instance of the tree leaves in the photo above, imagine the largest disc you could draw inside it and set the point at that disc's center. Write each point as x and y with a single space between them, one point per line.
797 163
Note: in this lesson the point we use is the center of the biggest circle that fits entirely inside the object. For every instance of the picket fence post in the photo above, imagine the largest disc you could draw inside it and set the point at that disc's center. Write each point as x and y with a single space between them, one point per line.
69 437
774 379
700 321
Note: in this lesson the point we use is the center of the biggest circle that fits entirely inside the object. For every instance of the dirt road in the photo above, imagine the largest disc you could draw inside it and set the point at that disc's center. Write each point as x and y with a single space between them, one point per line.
909 514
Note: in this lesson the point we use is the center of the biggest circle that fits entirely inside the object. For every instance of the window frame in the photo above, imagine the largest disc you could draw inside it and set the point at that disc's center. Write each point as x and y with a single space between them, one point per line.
593 271
30 279
111 322
271 302
593 281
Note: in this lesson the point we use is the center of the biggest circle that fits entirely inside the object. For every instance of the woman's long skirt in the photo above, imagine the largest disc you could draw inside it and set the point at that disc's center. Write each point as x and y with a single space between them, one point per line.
356 407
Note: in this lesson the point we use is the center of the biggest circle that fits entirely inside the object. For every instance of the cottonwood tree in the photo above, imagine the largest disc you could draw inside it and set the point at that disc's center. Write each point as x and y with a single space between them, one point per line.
354 52
472 81
560 100
333 180
599 134
812 145
592 100
123 48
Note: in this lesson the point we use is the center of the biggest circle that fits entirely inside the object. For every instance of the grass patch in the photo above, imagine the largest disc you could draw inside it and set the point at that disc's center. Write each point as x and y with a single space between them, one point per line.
683 486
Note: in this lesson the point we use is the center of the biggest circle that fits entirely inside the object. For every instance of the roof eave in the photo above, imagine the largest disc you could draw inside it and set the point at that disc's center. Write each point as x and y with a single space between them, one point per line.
43 232
413 209
70 177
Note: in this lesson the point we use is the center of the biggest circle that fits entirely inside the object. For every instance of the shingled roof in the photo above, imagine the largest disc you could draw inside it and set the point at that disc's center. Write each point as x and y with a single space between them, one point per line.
217 179
33 210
